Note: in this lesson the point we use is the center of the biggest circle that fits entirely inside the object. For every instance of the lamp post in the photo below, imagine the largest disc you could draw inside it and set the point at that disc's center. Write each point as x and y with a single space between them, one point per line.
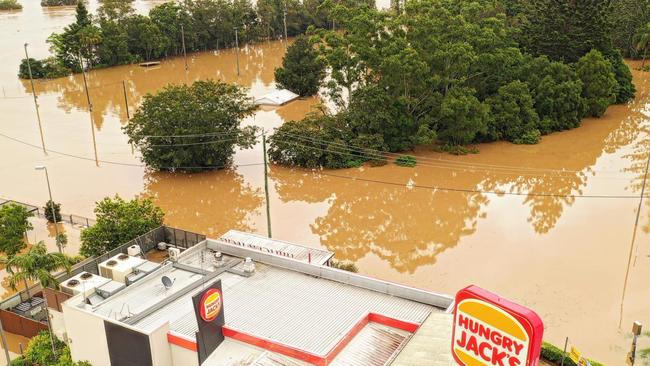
49 189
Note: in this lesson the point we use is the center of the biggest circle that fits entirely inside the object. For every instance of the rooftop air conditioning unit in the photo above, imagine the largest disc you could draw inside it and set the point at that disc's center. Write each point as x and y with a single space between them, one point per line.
134 250
117 267
174 254
84 282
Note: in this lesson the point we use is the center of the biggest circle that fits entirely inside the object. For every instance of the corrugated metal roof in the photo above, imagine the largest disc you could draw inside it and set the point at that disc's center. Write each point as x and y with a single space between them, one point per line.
292 308
279 247
277 97
375 345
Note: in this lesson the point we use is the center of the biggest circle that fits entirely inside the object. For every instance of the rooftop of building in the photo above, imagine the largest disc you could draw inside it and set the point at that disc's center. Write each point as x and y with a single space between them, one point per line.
287 300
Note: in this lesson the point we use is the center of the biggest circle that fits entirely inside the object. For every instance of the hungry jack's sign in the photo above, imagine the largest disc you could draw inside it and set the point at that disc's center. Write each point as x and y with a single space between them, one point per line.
490 330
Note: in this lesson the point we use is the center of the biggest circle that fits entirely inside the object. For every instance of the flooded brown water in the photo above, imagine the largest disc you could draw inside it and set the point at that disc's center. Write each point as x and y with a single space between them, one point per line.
440 226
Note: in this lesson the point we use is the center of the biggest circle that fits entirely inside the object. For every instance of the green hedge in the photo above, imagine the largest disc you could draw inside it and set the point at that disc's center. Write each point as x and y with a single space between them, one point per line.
554 355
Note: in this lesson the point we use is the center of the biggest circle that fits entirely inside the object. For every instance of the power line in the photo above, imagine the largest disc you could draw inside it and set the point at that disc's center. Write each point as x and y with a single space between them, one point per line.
435 188
439 188
110 162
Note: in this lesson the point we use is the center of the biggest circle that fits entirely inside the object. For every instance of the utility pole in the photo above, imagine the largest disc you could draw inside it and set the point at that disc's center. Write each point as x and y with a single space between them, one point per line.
49 190
237 47
90 107
266 186
126 100
38 114
284 20
184 53
4 343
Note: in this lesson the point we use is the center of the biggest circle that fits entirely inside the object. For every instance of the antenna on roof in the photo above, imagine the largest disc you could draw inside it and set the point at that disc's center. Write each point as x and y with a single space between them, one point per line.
167 282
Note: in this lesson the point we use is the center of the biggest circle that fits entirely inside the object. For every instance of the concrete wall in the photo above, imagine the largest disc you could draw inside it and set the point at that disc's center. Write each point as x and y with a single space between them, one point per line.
86 336
183 356
160 347
57 322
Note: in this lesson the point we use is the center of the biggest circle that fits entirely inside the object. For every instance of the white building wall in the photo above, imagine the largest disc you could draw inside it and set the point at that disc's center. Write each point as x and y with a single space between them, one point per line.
183 356
57 323
161 353
86 336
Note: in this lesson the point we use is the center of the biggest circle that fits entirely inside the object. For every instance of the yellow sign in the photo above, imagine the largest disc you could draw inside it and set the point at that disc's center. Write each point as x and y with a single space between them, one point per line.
575 355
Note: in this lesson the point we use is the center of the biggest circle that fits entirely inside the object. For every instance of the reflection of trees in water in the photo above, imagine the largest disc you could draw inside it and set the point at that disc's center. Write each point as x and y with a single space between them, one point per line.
406 227
210 203
410 227
257 64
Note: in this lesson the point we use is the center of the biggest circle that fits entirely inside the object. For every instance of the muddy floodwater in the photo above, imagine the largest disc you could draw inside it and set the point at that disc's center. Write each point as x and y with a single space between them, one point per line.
549 225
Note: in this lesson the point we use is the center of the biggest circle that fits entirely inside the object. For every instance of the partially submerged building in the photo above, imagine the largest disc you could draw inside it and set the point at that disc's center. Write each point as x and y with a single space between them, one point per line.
244 299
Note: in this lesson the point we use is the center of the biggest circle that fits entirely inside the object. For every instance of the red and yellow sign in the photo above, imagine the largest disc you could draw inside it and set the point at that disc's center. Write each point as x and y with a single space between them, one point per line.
490 330
210 305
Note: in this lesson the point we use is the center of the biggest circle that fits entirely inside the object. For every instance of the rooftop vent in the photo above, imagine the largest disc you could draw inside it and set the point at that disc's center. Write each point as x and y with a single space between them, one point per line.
123 257
85 275
111 263
72 283
249 265
218 259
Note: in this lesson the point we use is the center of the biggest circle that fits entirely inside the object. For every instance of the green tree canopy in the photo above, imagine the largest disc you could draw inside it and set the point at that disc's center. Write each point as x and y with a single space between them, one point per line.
513 116
14 223
598 82
192 127
302 69
36 265
117 222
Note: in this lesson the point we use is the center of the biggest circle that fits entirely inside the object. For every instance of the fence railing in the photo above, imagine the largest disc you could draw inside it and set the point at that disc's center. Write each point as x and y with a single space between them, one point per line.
172 236
39 211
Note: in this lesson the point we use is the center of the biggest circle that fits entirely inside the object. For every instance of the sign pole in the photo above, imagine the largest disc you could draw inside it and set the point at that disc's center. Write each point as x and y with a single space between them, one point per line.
566 343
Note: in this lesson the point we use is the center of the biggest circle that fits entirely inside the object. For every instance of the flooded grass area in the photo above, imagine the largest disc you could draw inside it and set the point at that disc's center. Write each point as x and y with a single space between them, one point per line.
547 225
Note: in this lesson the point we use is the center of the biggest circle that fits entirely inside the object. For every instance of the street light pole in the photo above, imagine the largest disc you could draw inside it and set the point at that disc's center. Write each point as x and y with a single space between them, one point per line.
237 47
284 20
184 53
49 190
38 114
90 107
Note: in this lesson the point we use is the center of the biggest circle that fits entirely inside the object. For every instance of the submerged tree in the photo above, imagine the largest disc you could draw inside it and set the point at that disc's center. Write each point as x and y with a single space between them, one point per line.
598 82
190 128
302 69
119 221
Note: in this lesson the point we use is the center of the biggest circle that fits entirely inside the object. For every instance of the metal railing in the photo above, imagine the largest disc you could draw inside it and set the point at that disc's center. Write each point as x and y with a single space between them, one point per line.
76 220
171 236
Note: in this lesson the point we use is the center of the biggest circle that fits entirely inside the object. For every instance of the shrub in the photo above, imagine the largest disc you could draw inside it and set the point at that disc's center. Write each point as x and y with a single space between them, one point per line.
530 137
10 5
406 160
344 265
52 206
39 353
554 355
